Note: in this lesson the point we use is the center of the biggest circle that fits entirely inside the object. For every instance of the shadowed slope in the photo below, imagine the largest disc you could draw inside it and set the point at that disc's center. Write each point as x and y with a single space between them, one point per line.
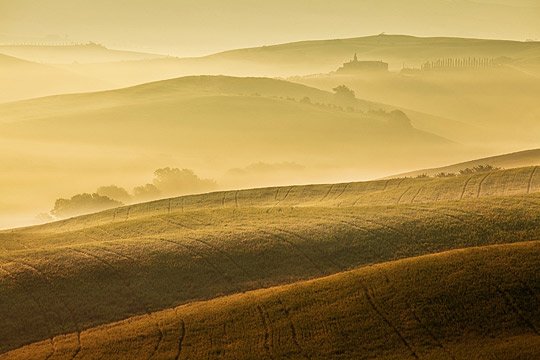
475 303
152 256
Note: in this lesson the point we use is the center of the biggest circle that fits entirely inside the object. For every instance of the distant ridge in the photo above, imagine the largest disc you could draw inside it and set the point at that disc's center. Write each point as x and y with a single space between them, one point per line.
506 161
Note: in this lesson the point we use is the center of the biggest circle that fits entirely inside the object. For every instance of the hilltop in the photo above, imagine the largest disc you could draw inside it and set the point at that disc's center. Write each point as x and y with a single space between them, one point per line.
505 161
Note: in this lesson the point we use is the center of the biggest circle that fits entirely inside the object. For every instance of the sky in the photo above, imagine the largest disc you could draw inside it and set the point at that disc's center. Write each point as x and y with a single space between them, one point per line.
198 27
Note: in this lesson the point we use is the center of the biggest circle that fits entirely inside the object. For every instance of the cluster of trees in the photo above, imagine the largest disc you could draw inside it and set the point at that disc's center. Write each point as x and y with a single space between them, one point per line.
167 182
467 171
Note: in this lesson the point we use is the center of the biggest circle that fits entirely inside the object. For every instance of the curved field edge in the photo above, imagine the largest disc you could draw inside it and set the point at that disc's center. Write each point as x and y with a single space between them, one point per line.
510 182
475 303
69 281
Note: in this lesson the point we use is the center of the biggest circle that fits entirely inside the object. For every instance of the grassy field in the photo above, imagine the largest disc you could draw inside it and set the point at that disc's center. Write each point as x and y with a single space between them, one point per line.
475 303
79 273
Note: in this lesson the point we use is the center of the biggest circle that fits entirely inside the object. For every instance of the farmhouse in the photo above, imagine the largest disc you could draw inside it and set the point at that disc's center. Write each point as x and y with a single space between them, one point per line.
356 66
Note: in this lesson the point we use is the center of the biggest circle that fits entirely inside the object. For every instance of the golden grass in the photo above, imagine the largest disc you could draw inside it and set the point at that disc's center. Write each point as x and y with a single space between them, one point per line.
87 271
475 303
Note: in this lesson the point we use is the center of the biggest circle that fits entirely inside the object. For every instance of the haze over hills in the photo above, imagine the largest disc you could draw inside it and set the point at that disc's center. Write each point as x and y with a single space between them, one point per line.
204 180
206 124
24 79
69 54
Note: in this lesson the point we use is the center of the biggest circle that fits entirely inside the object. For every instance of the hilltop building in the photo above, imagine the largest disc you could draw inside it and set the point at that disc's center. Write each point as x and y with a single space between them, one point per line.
356 66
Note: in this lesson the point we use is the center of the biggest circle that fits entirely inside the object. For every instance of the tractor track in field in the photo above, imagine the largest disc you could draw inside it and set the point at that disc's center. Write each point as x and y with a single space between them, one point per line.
465 187
296 248
511 303
204 258
41 310
175 223
281 200
428 331
225 254
181 336
481 183
70 312
322 254
342 191
294 333
403 195
531 178
219 250
265 321
128 286
417 193
371 301
327 193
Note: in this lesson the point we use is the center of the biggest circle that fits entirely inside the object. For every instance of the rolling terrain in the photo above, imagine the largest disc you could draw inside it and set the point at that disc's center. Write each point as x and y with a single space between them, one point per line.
163 254
505 161
209 124
69 54
462 304
22 79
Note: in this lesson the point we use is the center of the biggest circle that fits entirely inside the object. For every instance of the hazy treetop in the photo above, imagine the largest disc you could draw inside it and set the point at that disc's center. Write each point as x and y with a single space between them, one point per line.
192 27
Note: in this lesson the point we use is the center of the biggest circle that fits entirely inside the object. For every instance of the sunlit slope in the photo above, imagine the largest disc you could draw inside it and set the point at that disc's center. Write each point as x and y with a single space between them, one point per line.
475 303
505 161
69 54
24 79
153 256
321 56
393 191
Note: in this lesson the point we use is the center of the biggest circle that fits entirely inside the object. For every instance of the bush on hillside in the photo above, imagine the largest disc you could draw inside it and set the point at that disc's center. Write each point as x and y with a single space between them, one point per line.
83 204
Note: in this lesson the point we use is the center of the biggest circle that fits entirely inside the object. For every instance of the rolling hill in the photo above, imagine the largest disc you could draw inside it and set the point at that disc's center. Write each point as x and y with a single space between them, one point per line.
476 303
21 79
505 161
163 254
209 124
323 56
69 54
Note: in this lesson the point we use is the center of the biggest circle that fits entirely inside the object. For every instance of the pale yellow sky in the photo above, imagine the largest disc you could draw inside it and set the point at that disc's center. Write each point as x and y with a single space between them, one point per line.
195 27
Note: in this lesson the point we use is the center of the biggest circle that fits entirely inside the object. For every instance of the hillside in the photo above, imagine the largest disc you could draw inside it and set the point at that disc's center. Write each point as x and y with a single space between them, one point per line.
22 79
68 54
322 56
500 100
505 161
210 124
166 253
466 304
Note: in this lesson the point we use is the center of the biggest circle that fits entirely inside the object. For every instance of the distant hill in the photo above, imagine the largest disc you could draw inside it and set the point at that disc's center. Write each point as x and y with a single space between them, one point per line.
506 161
21 79
201 114
322 56
68 54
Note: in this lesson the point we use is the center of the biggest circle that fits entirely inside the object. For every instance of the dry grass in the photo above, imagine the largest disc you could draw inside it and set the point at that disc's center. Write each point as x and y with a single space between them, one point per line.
475 303
80 273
